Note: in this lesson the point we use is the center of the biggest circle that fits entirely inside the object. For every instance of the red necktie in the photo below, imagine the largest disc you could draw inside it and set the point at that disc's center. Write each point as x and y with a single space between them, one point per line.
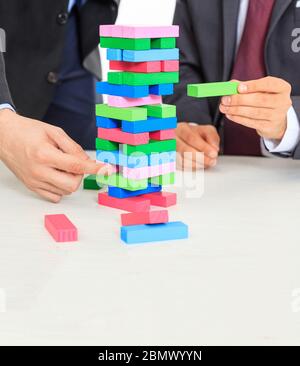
249 65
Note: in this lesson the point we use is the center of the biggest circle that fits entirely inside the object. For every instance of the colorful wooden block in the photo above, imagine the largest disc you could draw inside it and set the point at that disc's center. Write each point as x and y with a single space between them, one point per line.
162 158
151 124
151 66
124 193
117 180
151 233
127 43
107 122
122 31
163 180
148 171
61 228
150 55
166 42
128 114
169 65
162 134
136 160
102 144
161 89
206 90
139 79
90 182
122 102
114 54
117 135
129 91
161 110
162 199
132 204
142 218
152 147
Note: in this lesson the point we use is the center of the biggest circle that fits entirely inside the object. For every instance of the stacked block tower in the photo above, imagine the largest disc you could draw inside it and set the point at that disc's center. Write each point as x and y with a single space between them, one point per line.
136 130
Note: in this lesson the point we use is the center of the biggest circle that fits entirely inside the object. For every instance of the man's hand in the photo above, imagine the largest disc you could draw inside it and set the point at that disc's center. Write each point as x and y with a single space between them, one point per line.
262 104
194 139
43 157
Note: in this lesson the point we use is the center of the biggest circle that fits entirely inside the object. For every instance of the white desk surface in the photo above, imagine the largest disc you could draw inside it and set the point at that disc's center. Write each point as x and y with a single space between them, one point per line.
231 283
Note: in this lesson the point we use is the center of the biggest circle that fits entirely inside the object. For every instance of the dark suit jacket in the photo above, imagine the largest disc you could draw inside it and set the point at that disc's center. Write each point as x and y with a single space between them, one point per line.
35 36
208 41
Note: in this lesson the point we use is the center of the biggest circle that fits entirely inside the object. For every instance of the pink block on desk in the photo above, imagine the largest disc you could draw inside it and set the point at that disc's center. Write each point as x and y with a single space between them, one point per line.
117 135
61 228
161 199
123 102
163 135
138 31
148 171
142 218
131 204
169 66
145 67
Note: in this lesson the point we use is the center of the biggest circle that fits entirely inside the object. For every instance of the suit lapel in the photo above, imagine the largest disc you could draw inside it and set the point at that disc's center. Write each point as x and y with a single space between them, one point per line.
230 17
280 7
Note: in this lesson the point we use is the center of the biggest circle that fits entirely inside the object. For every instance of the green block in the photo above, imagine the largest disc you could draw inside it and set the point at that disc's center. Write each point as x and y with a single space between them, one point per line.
212 89
152 147
161 110
163 43
163 180
117 180
139 79
131 114
106 145
90 182
137 44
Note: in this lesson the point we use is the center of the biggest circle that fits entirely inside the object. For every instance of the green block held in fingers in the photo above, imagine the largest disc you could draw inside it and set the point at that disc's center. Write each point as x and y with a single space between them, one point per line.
163 43
152 147
212 89
90 182
136 44
106 145
161 110
131 114
163 180
140 79
117 180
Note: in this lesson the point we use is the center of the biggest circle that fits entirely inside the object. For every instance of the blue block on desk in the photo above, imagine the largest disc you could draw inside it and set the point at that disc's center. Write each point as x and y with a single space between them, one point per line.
162 89
107 122
151 55
124 193
103 87
154 232
137 160
149 125
113 54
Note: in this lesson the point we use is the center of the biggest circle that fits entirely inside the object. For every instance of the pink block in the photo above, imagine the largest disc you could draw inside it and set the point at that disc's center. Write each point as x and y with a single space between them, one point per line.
61 228
117 135
138 31
163 135
122 102
162 199
170 65
142 218
148 171
131 204
146 67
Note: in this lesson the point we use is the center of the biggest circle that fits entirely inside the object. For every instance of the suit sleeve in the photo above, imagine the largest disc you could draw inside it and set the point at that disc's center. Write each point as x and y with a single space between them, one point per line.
5 96
296 106
188 109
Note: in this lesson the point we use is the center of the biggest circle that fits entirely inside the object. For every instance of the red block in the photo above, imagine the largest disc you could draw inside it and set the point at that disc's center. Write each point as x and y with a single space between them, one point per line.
131 204
161 199
170 65
150 66
61 228
117 135
149 217
163 135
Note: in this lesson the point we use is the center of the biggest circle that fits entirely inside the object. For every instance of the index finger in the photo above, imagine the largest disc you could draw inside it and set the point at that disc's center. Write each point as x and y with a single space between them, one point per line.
268 84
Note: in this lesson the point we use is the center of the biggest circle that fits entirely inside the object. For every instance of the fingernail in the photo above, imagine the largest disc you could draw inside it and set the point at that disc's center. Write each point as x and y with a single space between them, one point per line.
213 154
226 100
243 88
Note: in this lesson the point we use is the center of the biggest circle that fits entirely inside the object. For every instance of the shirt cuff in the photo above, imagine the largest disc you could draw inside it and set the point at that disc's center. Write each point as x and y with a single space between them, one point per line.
290 139
7 106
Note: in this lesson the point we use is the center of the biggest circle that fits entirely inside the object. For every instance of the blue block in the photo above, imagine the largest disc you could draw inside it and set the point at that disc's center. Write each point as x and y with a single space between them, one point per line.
162 89
137 160
128 91
149 125
114 54
124 193
151 55
154 232
107 122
